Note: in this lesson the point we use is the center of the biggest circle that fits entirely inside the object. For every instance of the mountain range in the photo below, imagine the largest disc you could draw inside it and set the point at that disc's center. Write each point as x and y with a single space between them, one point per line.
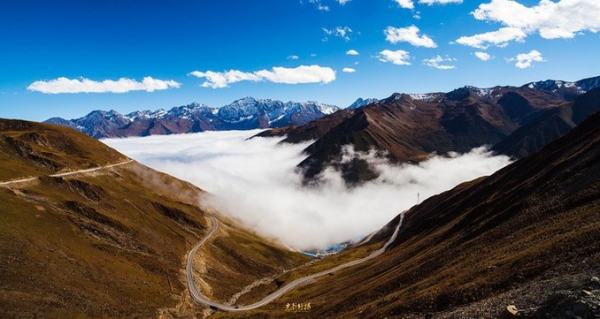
411 127
242 114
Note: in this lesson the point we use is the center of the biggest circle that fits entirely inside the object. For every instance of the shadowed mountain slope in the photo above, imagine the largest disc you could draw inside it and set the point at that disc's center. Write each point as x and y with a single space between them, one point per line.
549 125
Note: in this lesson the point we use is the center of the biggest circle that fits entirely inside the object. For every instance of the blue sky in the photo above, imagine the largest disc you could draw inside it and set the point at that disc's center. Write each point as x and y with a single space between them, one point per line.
167 40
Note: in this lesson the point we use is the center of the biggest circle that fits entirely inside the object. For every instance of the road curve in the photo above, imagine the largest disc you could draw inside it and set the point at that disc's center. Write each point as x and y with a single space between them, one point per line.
201 299
81 171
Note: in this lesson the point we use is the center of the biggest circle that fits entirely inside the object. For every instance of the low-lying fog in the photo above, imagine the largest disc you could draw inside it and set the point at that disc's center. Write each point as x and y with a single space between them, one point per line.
254 180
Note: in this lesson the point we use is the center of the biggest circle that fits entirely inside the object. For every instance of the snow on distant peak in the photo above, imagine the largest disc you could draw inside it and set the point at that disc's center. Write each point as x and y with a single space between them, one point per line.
553 85
327 109
360 102
422 96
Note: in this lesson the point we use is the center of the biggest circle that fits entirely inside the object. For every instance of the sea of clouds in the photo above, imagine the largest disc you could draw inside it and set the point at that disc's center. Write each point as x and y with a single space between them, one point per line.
256 182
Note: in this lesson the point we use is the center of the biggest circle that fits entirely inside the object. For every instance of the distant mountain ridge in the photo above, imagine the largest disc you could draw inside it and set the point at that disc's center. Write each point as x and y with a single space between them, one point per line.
242 114
568 90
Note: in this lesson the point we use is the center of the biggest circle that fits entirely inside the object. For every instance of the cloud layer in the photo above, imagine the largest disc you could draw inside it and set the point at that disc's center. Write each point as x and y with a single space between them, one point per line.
298 75
255 181
84 85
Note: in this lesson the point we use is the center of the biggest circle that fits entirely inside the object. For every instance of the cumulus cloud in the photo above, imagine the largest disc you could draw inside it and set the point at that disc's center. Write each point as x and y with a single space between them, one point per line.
293 57
340 32
398 57
218 80
409 34
352 52
499 38
551 20
343 2
348 70
483 56
255 181
525 60
84 85
299 75
440 63
406 4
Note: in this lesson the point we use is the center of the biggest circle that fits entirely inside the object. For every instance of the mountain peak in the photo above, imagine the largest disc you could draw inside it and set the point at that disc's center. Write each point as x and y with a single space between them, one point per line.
360 102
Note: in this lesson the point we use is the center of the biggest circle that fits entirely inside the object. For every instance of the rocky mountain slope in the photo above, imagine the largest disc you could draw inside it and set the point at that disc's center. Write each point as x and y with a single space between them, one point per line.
549 125
243 114
526 236
109 242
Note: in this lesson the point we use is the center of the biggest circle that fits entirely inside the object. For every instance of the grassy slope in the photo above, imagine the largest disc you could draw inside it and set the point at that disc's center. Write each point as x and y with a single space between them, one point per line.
33 149
107 244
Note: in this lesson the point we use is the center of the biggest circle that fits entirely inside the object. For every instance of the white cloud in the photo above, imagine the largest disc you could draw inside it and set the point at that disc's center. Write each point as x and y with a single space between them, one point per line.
483 56
432 2
525 60
409 34
255 181
320 6
293 57
399 57
406 4
498 38
218 80
352 52
348 70
343 2
551 20
340 32
440 63
84 85
298 75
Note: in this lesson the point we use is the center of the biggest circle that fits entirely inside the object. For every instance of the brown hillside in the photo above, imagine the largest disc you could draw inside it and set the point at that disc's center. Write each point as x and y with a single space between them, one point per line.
110 243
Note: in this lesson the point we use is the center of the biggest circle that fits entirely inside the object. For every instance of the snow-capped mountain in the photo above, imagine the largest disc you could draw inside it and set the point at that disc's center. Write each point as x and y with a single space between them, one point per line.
360 102
242 114
568 90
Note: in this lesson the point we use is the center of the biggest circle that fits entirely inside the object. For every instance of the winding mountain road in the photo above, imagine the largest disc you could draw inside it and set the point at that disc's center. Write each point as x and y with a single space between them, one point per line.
77 172
198 297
